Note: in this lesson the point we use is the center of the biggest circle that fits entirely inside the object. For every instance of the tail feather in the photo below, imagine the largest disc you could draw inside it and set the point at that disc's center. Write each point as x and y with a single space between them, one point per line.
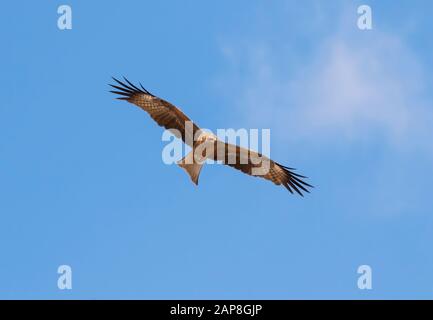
191 167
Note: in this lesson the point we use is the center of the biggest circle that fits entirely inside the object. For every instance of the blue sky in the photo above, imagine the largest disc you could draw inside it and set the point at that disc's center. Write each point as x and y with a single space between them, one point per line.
82 182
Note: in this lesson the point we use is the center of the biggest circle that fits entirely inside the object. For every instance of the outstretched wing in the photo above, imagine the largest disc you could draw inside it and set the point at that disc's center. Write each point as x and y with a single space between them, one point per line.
164 113
257 165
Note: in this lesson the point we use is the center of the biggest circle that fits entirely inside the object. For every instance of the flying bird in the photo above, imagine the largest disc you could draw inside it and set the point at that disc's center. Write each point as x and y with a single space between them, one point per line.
204 146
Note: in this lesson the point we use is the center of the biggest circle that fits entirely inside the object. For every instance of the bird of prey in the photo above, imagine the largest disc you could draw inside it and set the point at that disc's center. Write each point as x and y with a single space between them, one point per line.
206 145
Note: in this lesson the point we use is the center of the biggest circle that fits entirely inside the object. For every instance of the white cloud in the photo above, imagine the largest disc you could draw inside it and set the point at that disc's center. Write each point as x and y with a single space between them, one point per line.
351 90
357 85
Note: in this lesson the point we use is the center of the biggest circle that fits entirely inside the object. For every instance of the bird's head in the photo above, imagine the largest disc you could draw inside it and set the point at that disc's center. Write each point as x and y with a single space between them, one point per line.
207 137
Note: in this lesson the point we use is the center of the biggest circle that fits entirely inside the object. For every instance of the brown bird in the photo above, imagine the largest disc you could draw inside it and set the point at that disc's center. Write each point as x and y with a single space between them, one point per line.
206 145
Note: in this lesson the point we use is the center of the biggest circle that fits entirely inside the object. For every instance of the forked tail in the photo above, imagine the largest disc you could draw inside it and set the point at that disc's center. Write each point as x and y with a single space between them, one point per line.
191 166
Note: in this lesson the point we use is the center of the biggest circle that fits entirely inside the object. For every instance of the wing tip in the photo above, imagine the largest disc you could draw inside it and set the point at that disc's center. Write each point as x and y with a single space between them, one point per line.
295 181
128 88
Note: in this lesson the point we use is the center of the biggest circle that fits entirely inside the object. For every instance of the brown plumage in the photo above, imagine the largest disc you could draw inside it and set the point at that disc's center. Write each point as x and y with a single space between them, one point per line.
245 160
163 112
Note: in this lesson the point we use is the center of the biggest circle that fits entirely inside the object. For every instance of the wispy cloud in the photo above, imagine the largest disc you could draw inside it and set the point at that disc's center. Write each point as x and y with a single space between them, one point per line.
354 85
